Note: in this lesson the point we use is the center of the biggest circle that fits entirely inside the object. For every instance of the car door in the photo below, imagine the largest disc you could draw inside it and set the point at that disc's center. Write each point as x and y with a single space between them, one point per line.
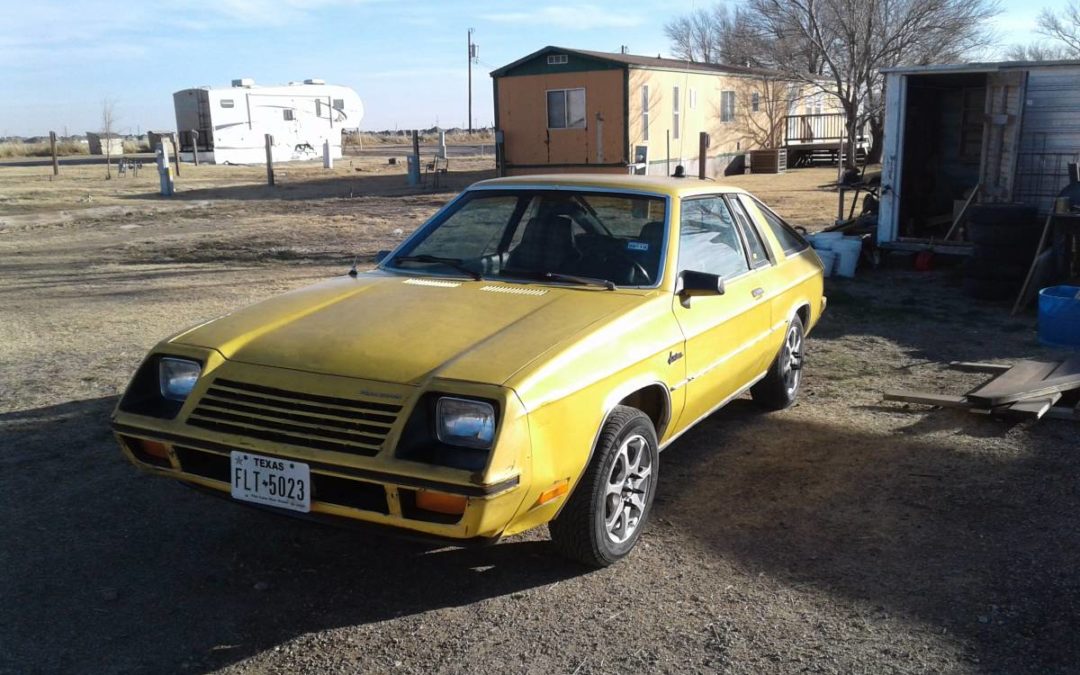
722 331
797 274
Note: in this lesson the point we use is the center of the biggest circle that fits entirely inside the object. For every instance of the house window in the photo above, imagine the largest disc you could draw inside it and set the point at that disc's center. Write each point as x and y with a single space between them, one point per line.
755 102
727 106
566 108
339 104
226 103
693 99
675 113
645 112
557 60
287 113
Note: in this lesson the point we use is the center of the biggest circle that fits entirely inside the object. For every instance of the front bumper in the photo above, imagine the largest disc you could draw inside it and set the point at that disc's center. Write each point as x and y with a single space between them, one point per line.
339 493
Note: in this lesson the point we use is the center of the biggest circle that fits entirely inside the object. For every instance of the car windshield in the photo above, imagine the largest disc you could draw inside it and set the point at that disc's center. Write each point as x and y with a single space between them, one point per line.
547 235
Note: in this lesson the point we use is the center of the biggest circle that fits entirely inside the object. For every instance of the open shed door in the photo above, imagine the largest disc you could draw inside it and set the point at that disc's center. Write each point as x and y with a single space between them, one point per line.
892 156
1001 134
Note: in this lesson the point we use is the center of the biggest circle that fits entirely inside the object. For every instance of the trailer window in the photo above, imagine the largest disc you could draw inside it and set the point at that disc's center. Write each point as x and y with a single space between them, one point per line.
727 106
339 104
287 113
226 103
566 108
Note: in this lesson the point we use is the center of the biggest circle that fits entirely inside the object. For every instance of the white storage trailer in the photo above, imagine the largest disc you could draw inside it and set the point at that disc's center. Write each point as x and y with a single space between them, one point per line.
228 125
1011 128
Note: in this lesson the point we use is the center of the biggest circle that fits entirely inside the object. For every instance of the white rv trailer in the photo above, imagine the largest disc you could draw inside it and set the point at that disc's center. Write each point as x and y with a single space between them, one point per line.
228 125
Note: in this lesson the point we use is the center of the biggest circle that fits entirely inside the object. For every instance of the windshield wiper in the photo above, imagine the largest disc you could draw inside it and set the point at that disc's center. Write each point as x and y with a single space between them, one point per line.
456 263
574 279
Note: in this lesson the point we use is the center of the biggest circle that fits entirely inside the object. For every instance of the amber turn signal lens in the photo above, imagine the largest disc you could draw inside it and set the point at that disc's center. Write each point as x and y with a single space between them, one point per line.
440 502
153 448
558 490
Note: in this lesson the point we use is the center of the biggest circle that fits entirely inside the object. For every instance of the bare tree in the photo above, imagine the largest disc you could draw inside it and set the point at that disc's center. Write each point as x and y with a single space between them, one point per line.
1063 27
1038 51
108 123
721 35
854 39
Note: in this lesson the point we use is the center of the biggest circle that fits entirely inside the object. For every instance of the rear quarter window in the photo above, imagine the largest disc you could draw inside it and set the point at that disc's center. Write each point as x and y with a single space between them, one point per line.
791 242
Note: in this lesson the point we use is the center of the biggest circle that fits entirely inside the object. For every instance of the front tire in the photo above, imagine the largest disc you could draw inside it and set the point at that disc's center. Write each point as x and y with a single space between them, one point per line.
606 513
780 386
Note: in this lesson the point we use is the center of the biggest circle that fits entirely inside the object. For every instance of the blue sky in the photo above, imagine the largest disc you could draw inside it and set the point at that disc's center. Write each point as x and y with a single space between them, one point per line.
406 59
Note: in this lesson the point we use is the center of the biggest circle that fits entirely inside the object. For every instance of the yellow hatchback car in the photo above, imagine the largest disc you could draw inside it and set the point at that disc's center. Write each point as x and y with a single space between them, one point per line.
520 359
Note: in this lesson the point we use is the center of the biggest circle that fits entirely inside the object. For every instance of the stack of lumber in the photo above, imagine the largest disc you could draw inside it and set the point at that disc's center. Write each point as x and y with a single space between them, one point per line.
1028 389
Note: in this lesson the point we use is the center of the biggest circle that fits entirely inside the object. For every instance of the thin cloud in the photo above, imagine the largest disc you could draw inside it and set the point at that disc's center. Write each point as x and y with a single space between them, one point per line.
579 17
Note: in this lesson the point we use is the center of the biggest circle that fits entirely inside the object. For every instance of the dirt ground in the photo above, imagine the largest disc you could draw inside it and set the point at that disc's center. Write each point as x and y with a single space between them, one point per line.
842 535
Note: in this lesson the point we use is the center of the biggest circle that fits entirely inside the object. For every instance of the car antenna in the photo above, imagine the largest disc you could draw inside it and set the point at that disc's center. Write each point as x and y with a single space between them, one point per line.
352 270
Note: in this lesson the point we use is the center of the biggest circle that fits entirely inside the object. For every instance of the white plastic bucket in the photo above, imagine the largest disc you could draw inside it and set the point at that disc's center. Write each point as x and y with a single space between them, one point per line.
828 261
848 250
824 241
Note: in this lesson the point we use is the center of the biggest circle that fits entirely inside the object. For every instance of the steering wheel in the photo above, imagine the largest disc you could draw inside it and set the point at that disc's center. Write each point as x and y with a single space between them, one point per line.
637 269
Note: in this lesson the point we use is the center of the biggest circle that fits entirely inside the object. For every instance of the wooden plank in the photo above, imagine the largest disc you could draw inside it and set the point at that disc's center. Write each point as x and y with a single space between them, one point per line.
1068 368
1037 390
1022 376
1060 412
1020 304
963 212
1033 408
979 367
938 400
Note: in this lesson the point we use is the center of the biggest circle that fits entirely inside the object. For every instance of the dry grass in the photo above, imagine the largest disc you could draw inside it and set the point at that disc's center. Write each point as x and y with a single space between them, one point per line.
405 137
63 148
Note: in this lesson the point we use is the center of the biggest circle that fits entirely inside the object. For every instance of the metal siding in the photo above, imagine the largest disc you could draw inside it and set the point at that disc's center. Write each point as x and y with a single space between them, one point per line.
1050 136
1052 111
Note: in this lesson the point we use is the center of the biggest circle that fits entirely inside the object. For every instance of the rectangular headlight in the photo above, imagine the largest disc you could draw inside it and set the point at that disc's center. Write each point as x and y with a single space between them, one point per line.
177 377
464 422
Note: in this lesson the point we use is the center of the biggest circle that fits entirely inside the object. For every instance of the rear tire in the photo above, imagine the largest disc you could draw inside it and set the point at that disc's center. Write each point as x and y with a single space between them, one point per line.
608 509
780 386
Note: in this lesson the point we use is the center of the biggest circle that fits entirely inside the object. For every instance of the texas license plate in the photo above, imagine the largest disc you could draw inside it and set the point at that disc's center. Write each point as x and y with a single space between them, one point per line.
274 482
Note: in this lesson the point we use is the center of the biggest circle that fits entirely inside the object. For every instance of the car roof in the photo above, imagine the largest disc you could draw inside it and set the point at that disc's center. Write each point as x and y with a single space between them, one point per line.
661 185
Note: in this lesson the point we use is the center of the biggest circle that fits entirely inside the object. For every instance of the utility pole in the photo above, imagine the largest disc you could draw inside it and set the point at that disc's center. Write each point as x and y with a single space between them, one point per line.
473 53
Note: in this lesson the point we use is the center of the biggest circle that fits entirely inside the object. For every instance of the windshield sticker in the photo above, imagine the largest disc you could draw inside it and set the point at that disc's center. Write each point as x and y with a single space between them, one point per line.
637 246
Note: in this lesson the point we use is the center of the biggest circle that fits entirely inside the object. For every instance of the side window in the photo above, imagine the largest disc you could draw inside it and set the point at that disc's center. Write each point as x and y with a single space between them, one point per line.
759 256
708 239
790 241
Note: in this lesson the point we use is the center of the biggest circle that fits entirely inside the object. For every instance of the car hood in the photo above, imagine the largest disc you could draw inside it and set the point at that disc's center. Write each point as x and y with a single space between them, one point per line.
390 328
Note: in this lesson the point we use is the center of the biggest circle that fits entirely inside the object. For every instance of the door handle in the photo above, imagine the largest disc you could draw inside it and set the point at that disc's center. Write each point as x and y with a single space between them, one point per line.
757 292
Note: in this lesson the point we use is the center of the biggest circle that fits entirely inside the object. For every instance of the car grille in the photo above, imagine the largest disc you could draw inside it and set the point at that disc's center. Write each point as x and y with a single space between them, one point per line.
296 418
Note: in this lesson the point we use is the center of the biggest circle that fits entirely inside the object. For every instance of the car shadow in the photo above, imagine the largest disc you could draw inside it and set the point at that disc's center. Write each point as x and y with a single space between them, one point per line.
978 544
108 569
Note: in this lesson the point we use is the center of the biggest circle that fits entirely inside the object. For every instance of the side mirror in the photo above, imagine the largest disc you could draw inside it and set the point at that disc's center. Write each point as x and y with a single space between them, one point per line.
693 284
381 256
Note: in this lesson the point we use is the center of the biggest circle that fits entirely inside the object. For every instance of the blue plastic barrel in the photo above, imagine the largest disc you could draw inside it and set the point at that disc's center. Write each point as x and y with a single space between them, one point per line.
1059 316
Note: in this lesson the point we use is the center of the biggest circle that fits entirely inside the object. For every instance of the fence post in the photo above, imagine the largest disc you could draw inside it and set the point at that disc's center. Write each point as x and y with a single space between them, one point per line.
269 160
414 160
703 153
52 149
176 151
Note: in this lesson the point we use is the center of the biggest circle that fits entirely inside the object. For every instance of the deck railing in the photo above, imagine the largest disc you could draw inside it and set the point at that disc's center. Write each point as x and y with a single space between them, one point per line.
824 128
